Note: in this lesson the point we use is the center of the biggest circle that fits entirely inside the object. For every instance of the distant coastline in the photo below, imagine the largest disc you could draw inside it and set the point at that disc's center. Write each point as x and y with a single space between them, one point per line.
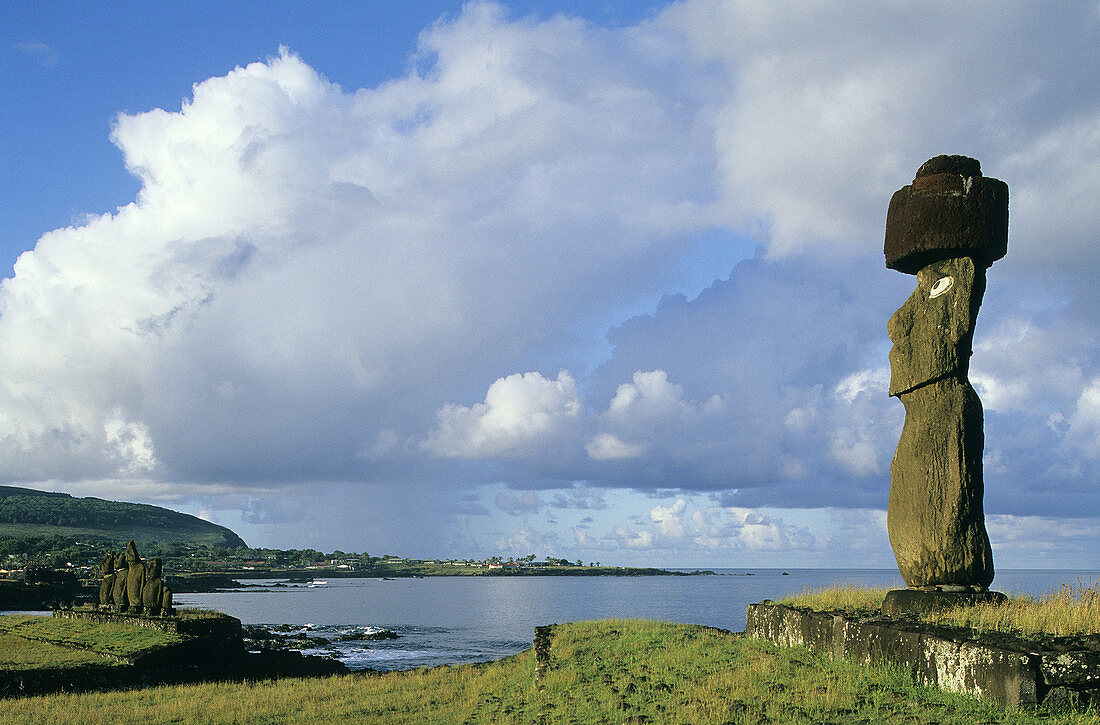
230 578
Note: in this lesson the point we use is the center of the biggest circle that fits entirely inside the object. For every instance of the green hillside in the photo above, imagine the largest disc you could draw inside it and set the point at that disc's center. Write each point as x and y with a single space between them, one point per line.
25 512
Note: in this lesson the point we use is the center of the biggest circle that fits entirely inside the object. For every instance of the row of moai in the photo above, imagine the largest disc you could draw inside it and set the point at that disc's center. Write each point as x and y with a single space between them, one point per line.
132 585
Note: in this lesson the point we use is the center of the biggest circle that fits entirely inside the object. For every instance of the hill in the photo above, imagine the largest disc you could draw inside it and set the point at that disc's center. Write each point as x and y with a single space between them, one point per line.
25 512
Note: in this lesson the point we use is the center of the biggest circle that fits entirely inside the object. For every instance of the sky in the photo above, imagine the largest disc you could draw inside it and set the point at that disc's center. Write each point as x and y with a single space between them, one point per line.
601 281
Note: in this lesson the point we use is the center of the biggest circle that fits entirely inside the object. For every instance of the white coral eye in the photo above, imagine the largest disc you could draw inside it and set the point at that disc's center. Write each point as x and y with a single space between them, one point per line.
942 285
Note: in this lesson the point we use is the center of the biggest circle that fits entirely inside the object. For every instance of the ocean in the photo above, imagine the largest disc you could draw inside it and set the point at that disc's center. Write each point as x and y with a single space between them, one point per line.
463 619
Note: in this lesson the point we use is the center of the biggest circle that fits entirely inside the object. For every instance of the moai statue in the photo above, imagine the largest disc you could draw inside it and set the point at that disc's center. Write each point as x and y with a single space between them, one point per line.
166 602
947 228
107 582
153 590
118 592
135 578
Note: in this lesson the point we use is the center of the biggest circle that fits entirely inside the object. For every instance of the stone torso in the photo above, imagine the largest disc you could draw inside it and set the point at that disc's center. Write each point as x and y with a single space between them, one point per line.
935 517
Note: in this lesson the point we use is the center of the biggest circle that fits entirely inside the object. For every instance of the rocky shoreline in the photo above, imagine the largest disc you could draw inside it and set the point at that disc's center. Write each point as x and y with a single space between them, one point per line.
258 638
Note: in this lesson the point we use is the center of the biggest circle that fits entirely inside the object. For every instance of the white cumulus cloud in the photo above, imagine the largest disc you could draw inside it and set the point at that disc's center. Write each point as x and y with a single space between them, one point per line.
317 285
310 273
608 447
521 412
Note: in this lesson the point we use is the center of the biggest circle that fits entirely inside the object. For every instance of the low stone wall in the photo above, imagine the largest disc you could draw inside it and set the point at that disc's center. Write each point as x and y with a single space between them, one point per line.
164 624
1005 669
214 642
223 627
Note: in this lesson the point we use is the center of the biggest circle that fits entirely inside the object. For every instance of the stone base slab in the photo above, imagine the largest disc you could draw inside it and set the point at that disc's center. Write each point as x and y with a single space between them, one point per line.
1001 668
905 602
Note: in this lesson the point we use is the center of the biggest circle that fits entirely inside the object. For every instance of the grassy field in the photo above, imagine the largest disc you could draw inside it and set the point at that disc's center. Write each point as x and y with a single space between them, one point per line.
98 639
196 613
17 653
1072 609
600 672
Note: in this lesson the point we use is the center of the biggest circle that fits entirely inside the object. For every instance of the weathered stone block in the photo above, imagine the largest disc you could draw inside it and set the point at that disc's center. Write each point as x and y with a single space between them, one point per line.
950 210
935 656
1079 669
1067 698
906 602
958 165
544 635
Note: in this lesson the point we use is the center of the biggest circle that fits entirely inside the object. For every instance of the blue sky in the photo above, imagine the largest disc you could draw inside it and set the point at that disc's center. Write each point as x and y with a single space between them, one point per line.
595 280
71 68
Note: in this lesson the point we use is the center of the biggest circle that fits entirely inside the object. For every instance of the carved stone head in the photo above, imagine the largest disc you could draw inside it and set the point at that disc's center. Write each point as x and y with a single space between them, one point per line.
932 332
132 554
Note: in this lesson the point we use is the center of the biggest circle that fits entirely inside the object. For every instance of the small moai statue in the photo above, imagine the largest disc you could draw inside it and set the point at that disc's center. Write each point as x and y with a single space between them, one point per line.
946 228
118 592
166 602
152 591
107 580
135 579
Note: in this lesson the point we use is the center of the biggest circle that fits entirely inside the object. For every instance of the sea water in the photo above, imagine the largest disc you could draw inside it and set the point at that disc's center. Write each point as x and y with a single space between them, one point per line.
462 619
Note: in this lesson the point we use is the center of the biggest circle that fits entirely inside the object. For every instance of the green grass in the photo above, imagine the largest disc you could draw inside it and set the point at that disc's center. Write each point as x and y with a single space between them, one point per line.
31 513
1072 609
600 672
111 536
848 598
194 613
106 639
17 653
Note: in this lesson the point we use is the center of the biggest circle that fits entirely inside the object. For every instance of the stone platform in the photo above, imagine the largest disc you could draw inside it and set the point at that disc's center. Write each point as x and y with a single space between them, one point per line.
906 602
1009 670
212 649
221 626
